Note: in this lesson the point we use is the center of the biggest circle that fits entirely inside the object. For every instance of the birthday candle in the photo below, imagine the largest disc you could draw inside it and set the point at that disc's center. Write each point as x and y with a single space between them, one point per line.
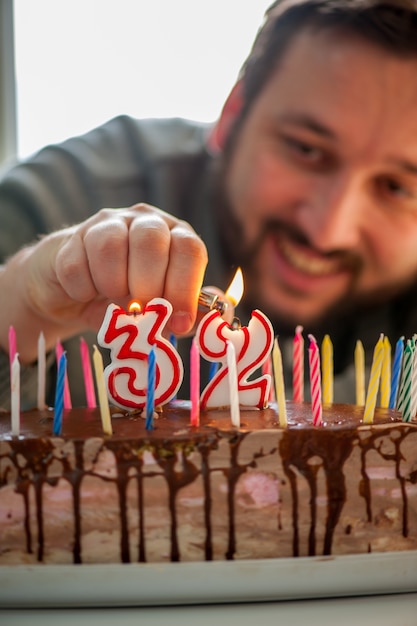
298 365
374 378
315 382
150 396
360 373
396 372
195 384
267 369
12 348
88 377
404 400
279 384
102 392
59 395
386 375
414 382
233 387
59 350
15 396
41 372
327 369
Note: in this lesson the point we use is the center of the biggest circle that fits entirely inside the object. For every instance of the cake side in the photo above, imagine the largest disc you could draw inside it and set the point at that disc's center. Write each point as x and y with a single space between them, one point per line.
179 493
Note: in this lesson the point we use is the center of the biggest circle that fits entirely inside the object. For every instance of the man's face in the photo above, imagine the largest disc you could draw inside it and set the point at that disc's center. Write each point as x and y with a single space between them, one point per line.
323 178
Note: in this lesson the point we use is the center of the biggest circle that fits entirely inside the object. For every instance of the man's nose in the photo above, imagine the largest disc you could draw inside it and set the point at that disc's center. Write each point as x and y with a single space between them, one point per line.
332 217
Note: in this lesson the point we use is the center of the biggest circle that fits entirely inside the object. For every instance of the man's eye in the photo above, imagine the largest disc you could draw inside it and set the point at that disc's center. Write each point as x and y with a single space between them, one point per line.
394 188
305 150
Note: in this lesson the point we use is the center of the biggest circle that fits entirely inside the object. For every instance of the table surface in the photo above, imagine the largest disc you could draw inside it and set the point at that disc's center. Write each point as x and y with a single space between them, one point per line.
381 610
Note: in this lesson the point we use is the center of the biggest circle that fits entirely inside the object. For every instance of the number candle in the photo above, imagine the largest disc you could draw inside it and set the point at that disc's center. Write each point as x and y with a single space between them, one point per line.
386 374
252 346
150 396
130 336
15 396
298 365
59 395
233 385
195 384
374 378
360 373
327 369
88 376
102 392
279 384
315 382
396 372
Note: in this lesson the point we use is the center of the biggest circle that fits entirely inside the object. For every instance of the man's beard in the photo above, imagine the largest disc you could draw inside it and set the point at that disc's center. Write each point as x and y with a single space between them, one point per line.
237 252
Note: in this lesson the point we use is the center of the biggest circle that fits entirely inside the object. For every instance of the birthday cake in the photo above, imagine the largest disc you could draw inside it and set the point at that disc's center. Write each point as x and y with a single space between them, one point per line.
180 492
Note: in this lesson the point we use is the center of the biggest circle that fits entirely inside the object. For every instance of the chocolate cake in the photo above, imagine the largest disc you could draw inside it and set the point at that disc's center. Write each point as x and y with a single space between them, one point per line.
183 493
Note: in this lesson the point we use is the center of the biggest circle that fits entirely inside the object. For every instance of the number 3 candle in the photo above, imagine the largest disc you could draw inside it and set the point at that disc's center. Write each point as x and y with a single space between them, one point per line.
130 336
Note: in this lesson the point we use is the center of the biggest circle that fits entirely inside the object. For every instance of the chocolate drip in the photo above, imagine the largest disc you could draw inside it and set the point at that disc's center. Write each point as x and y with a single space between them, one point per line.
300 449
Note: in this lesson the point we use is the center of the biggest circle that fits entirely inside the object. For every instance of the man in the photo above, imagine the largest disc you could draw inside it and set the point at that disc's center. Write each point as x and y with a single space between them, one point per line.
308 181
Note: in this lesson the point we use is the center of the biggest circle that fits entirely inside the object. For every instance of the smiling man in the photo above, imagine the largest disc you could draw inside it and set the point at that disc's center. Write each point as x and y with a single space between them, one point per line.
308 181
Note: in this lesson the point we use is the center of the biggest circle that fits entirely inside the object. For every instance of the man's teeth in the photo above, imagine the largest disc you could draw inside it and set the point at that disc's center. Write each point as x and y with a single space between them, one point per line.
306 263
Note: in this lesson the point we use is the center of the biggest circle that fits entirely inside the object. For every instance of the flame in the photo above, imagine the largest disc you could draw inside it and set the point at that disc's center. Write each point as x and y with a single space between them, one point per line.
235 290
134 307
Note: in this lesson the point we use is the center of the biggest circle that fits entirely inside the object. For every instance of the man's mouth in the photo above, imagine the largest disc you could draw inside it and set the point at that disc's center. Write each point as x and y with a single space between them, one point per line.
306 260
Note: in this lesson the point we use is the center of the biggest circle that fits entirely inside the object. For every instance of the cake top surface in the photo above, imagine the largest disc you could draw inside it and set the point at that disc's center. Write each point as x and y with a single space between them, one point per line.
174 421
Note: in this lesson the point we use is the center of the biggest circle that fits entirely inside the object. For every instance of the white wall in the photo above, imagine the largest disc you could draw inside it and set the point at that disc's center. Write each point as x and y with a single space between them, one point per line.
81 62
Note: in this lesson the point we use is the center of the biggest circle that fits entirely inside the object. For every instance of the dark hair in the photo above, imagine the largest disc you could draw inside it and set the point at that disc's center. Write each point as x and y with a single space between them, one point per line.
392 24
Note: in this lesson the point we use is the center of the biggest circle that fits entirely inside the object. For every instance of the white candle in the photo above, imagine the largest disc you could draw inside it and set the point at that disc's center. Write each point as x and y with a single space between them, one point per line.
233 385
41 372
15 396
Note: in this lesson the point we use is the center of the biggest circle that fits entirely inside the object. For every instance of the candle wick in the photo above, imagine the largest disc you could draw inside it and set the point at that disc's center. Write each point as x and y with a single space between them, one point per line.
236 325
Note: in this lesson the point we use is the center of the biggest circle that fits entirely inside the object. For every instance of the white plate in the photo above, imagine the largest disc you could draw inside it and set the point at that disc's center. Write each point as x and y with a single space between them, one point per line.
218 581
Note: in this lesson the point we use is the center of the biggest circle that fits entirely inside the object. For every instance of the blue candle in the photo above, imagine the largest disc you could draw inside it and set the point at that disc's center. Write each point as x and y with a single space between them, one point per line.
59 395
396 371
214 366
150 396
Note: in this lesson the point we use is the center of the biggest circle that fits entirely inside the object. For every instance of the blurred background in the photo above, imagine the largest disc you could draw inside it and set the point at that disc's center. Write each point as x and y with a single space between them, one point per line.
69 65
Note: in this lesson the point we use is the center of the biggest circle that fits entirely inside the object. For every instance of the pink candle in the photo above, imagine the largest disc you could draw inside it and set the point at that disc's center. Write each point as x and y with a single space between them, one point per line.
252 344
195 384
298 365
88 375
315 382
41 372
59 351
130 336
12 348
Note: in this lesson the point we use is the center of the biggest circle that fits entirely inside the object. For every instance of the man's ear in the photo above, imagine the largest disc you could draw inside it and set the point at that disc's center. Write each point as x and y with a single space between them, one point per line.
230 111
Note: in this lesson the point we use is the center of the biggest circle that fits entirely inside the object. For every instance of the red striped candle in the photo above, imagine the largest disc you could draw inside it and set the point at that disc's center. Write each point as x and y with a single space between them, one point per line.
315 382
298 365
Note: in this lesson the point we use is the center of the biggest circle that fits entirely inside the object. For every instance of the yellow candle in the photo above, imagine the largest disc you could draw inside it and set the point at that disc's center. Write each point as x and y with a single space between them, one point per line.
102 392
360 373
327 369
279 384
386 374
374 378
